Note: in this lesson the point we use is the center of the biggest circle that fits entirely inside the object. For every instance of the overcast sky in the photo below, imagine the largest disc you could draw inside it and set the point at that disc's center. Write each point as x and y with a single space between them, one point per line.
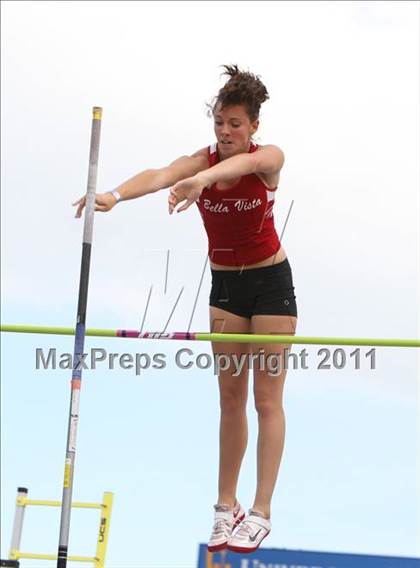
343 79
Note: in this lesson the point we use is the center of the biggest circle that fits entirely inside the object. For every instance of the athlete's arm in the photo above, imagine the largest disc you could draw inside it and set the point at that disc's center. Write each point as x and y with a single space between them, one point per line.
268 160
150 181
153 180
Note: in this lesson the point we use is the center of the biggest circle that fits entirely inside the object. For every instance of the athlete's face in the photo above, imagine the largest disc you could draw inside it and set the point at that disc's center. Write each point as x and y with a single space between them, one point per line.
233 129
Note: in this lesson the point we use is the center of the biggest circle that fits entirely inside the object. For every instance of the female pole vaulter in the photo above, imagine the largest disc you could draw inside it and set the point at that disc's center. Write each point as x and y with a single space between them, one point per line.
234 183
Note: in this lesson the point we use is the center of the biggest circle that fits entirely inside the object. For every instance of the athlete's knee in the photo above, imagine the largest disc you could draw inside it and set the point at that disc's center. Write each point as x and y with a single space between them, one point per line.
232 401
267 406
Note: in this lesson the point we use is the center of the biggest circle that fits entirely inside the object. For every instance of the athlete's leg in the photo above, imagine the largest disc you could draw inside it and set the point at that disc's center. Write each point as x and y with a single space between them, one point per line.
233 397
268 394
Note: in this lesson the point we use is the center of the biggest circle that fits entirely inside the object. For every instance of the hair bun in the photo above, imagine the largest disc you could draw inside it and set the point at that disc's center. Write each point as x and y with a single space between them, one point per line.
243 87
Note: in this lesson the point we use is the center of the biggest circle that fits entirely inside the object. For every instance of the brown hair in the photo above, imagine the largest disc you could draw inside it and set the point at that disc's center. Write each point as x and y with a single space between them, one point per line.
243 88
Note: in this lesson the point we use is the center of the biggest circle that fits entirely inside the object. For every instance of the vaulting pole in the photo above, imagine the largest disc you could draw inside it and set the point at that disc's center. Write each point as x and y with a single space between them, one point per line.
79 341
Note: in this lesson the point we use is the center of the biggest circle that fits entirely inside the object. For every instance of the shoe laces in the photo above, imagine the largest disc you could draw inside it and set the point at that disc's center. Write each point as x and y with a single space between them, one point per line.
244 529
222 527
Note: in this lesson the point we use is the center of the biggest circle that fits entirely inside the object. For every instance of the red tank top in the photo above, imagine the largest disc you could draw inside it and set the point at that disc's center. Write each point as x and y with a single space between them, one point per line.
239 221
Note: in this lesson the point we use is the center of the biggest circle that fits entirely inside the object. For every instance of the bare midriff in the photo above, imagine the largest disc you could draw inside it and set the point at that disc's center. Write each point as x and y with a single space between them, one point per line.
279 256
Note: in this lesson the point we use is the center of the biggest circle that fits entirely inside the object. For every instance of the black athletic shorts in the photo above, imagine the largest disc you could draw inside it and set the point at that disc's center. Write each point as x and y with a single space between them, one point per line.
267 290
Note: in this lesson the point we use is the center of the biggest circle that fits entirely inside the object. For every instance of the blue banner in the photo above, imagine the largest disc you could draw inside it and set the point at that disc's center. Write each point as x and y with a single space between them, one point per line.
283 558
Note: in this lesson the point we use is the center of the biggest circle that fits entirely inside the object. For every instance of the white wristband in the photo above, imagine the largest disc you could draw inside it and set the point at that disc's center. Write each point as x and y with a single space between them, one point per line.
116 195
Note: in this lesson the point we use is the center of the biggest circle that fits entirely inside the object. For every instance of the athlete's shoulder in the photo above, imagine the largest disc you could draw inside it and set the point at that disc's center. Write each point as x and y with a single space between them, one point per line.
203 152
202 156
270 158
270 148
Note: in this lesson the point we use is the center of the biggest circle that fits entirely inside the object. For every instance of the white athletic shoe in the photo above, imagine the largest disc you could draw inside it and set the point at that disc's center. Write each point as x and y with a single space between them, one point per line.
250 533
226 520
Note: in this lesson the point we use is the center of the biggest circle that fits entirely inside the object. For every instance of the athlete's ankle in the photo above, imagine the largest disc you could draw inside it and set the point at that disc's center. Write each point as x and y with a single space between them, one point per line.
226 501
264 512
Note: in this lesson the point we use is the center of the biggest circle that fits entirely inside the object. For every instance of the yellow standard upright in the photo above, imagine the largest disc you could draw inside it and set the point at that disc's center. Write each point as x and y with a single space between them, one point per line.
22 502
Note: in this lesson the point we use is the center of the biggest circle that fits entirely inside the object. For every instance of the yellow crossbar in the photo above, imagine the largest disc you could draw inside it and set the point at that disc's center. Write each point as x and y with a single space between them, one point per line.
54 557
41 502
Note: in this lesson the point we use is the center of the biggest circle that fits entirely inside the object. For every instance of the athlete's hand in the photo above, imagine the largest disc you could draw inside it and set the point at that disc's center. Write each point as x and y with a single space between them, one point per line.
188 190
103 202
